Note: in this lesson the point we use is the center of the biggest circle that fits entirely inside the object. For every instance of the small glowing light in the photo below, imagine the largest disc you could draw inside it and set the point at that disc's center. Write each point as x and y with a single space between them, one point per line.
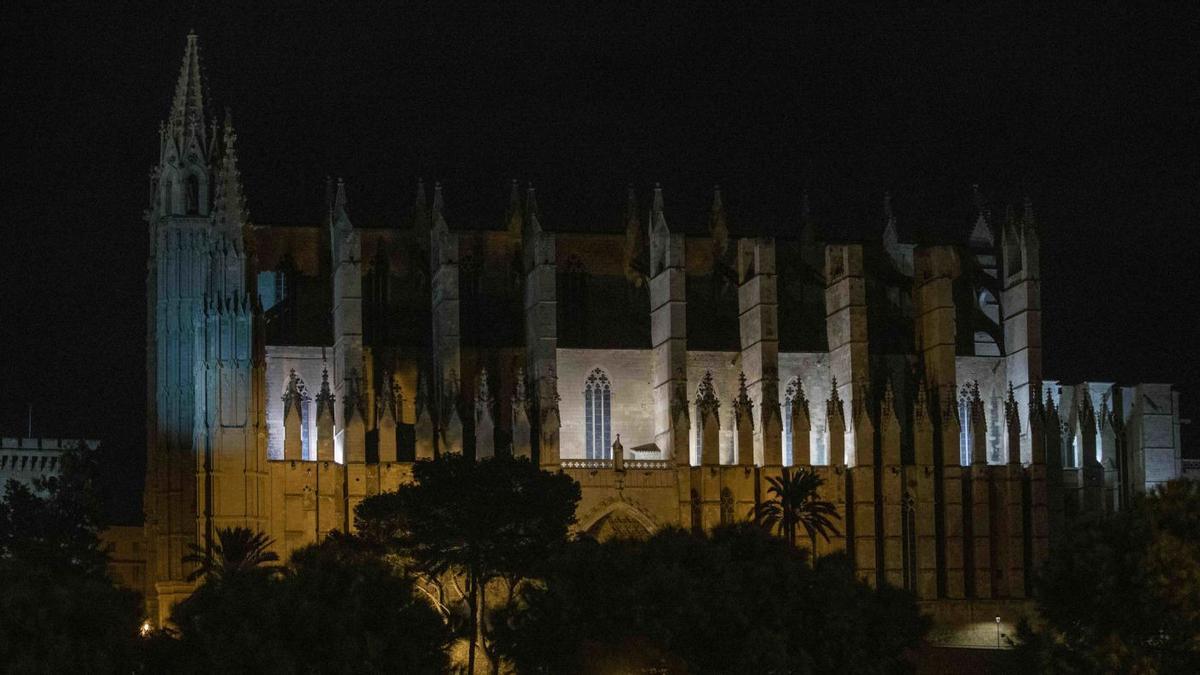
145 629
997 619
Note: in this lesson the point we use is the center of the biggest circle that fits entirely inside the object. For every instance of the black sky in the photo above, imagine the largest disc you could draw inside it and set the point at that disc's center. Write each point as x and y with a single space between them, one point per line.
1092 113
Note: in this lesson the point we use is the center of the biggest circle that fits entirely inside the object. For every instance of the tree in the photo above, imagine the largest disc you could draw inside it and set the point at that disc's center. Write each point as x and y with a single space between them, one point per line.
59 609
496 518
794 501
1121 593
339 608
238 551
739 600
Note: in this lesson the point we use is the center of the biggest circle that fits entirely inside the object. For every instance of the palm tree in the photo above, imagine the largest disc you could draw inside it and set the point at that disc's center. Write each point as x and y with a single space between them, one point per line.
795 501
236 552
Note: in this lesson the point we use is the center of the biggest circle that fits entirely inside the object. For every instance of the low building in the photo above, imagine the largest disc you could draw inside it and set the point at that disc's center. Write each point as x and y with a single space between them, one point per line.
27 459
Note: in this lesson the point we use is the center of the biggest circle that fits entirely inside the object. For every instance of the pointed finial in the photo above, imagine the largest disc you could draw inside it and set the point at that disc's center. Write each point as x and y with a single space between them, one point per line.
438 204
834 407
291 397
887 207
1011 412
706 392
485 391
513 216
519 385
981 233
531 207
743 395
324 396
339 199
921 402
657 205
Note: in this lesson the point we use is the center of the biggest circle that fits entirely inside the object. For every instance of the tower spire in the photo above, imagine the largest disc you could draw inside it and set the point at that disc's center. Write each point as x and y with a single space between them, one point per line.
531 209
438 204
229 202
340 218
656 206
513 217
187 106
981 234
890 235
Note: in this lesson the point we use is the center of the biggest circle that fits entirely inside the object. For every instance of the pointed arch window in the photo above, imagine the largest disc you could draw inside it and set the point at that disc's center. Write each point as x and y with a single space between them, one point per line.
597 416
726 507
306 440
966 432
908 528
281 282
193 195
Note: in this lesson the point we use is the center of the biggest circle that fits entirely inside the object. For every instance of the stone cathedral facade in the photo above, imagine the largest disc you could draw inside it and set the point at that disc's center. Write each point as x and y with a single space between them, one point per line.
669 368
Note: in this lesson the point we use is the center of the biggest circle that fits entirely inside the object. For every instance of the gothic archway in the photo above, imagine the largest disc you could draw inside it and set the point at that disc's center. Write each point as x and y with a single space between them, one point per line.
618 519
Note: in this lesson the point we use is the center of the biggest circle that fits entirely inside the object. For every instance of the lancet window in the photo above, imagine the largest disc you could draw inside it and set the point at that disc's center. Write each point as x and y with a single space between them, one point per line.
193 195
726 506
909 541
966 430
597 416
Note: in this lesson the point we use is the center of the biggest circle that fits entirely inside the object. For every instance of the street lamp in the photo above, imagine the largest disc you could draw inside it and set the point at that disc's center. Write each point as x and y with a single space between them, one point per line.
997 632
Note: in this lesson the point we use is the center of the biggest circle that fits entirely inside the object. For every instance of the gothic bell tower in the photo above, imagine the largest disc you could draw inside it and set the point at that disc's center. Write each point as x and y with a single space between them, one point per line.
204 428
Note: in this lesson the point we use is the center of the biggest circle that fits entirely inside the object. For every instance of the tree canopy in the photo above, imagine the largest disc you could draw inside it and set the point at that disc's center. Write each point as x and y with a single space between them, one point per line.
495 518
59 609
1122 591
739 600
337 607
794 499
237 551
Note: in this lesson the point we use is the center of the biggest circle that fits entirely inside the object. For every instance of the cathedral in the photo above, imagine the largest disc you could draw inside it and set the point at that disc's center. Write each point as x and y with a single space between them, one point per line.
670 369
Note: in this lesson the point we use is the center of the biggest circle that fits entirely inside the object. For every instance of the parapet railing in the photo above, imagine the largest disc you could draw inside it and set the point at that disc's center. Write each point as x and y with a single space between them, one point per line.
630 464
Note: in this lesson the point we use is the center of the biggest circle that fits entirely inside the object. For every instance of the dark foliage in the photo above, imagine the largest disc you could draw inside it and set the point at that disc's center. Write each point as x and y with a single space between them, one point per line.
1122 592
238 551
338 608
740 601
793 500
59 610
496 518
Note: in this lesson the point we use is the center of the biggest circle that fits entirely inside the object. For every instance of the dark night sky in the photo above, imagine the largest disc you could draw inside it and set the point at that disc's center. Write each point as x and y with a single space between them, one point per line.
1093 114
